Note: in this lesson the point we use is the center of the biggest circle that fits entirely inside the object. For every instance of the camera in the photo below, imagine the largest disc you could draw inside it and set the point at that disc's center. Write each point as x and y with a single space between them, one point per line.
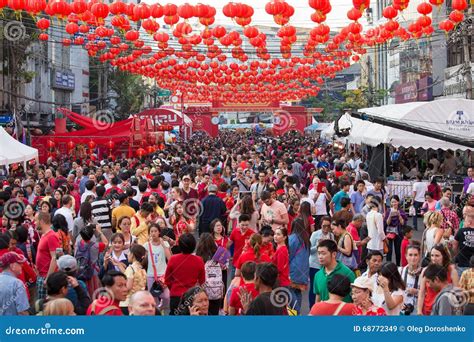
407 310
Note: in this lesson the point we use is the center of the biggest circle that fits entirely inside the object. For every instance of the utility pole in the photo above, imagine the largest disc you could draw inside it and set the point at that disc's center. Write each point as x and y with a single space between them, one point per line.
467 28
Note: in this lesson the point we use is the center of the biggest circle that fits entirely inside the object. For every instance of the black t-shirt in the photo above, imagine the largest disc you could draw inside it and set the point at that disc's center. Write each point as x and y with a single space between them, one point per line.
262 306
465 238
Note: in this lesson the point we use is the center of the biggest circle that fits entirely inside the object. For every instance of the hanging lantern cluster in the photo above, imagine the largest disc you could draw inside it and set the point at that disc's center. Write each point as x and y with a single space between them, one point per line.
135 38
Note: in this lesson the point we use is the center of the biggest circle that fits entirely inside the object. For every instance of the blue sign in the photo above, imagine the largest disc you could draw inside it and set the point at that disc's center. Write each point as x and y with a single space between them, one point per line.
219 328
63 80
6 119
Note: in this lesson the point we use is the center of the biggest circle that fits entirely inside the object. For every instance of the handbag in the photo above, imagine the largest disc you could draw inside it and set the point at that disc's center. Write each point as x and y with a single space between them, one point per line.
157 287
349 261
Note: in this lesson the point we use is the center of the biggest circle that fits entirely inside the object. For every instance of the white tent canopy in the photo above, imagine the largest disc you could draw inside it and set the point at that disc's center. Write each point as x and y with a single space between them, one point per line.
13 151
453 117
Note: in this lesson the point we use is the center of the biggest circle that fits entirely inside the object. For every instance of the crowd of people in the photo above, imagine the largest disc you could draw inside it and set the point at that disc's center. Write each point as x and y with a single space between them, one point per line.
242 224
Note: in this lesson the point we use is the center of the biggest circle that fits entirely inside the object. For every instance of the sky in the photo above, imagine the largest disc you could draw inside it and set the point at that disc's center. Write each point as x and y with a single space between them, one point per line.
302 17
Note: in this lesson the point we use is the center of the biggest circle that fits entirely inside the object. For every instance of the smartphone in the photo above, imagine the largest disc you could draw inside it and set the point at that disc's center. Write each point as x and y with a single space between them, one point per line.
321 186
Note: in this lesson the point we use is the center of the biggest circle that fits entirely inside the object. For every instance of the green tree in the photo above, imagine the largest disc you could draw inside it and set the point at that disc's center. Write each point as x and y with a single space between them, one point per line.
17 32
130 92
329 104
362 98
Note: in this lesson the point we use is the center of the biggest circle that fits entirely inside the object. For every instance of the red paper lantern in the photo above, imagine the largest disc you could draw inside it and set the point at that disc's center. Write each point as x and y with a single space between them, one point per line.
354 14
186 11
456 16
50 144
71 145
91 144
141 152
424 8
110 144
459 5
42 24
389 12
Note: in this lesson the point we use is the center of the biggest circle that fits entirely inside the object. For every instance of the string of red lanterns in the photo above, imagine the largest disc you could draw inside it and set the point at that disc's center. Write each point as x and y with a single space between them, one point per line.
200 68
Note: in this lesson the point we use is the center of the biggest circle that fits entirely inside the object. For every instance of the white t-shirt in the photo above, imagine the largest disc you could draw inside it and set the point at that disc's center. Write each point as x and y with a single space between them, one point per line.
159 259
378 299
420 189
410 283
470 189
320 203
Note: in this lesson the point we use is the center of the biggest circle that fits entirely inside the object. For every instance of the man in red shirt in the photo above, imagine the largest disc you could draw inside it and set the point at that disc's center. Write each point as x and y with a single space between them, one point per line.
116 287
248 276
216 178
184 271
46 254
239 238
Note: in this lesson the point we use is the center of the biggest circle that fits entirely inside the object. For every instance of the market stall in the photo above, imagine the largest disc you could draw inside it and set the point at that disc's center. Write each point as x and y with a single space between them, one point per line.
12 151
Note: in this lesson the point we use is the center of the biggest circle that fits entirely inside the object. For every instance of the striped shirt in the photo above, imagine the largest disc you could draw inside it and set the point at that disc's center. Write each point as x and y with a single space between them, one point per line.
101 212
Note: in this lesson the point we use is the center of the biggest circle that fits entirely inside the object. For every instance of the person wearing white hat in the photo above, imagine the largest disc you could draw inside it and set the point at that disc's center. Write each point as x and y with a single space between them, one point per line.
362 289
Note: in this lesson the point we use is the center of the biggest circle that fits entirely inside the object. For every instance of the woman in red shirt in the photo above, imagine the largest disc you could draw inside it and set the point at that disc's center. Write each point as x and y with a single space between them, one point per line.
254 253
426 296
180 223
217 230
281 258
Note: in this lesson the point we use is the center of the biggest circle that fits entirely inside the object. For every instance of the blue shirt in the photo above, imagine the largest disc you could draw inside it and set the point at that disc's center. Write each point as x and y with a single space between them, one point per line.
71 293
323 164
337 200
357 201
13 297
299 260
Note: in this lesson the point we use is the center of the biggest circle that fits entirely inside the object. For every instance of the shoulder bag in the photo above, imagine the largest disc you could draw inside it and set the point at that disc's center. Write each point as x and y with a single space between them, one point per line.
157 288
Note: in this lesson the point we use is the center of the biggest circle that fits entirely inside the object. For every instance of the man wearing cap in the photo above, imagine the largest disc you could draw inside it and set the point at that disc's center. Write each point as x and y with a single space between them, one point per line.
213 207
188 192
124 209
77 289
13 297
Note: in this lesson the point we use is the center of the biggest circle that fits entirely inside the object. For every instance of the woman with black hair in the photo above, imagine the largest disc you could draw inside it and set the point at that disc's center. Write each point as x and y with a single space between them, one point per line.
184 270
135 273
299 246
339 286
214 284
281 258
307 216
84 218
24 243
390 291
61 229
438 255
87 252
194 302
395 218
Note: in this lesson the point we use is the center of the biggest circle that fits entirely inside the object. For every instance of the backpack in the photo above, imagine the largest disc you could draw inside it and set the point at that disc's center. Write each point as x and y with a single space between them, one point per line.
85 269
214 285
